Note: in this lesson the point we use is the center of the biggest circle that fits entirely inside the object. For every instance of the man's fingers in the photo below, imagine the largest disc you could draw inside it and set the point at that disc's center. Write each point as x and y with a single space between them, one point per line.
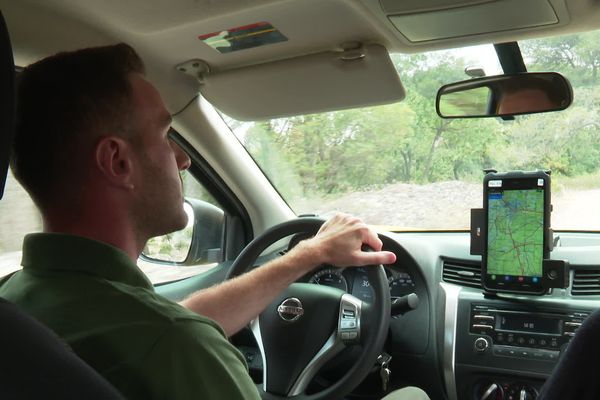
344 235
371 239
376 257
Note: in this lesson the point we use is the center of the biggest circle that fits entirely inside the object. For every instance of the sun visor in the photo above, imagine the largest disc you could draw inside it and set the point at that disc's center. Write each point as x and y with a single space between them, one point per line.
308 84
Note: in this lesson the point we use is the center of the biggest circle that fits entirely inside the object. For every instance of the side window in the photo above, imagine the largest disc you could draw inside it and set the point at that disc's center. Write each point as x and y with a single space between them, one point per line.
190 251
194 249
18 217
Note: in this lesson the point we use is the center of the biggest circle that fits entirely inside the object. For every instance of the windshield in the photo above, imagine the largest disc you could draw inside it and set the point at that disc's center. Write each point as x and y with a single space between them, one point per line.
403 167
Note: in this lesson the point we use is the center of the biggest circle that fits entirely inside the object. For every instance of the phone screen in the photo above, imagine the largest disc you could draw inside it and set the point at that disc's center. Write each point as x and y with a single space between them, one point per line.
516 226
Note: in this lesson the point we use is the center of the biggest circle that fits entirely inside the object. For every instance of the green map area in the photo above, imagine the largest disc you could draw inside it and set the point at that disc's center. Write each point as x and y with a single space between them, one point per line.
516 232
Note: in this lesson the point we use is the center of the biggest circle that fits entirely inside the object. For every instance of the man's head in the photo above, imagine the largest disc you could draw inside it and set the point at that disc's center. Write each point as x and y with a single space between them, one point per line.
533 95
88 121
526 100
65 102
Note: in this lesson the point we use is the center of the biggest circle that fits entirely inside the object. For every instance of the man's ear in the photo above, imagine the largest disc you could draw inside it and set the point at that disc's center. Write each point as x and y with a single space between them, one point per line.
114 161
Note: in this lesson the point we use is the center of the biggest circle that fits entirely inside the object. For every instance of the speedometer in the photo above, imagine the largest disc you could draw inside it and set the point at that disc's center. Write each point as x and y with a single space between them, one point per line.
330 277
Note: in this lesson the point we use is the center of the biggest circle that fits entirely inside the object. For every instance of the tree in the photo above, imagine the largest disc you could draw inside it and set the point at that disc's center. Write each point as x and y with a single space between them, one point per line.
577 56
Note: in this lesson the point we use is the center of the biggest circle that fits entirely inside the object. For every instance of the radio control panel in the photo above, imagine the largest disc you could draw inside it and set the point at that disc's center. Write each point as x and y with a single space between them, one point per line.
522 334
506 349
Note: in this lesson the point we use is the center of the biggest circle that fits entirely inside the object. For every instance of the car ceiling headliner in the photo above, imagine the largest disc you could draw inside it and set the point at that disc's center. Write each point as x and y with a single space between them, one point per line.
165 32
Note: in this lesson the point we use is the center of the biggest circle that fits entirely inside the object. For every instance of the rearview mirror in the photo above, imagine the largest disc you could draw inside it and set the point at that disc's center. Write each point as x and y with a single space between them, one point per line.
504 95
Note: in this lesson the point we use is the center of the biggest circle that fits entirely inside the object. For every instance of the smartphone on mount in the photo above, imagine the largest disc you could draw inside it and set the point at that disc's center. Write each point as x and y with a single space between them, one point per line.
517 222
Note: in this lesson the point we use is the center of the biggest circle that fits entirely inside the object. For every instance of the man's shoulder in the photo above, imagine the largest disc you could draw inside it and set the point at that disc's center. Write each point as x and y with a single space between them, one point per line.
90 297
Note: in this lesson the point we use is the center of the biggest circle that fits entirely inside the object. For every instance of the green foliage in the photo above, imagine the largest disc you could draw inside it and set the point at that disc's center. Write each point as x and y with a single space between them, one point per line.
172 247
578 56
579 182
191 188
320 155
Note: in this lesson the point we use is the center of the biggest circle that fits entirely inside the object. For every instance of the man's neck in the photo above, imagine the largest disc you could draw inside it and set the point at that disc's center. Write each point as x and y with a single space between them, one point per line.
112 231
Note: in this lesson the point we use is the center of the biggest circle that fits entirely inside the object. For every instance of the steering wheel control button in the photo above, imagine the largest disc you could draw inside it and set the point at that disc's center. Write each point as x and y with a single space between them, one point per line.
481 345
348 324
290 309
349 319
349 335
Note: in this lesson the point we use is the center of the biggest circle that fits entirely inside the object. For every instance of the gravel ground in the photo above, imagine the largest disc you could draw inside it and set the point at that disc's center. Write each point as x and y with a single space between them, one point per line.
437 205
447 205
441 204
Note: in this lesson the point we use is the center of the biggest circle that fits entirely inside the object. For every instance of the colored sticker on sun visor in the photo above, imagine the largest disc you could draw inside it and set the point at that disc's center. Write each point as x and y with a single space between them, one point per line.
243 37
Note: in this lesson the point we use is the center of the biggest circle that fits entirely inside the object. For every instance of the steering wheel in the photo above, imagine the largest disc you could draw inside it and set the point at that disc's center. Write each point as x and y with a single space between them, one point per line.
308 325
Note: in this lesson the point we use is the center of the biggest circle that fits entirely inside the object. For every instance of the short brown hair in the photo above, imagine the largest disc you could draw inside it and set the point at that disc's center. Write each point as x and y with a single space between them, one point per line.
63 101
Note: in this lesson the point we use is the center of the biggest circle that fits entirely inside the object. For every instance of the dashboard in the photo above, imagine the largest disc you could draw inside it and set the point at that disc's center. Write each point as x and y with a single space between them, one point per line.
479 346
456 344
356 282
482 346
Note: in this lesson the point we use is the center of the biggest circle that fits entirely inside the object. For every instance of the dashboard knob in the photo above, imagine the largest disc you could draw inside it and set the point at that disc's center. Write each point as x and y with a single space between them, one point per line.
492 391
481 345
526 392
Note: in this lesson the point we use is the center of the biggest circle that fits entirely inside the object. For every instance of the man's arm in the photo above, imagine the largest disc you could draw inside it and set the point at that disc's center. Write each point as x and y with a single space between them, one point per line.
234 303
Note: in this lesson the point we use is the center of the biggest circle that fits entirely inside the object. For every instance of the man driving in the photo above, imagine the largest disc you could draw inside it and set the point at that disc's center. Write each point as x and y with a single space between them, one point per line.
93 151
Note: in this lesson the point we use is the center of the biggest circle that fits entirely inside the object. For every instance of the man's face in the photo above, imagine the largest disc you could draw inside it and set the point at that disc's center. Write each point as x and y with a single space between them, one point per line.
525 100
158 204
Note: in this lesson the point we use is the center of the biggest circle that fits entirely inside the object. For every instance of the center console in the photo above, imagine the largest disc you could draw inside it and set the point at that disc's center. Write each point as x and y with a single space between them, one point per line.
506 350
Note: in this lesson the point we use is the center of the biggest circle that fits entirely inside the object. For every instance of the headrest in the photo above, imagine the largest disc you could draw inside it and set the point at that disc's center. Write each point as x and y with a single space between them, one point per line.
7 101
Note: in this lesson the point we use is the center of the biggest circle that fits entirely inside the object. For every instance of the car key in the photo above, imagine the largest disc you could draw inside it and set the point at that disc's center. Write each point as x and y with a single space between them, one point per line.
384 373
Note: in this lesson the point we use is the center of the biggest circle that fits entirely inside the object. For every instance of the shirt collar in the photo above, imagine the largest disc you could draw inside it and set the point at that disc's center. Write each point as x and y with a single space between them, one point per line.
62 252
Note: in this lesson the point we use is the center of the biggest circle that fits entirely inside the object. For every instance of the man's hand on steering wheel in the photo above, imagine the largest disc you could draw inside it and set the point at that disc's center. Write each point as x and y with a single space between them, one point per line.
339 242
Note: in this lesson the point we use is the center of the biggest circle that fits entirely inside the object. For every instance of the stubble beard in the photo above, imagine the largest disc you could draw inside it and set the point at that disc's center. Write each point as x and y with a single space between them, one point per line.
159 209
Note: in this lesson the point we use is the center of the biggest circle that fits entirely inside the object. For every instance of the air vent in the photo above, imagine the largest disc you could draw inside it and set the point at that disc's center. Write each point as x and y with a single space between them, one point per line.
586 283
462 274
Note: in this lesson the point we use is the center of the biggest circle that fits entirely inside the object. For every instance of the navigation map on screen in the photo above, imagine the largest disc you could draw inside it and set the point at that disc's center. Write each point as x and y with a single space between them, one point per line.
515 232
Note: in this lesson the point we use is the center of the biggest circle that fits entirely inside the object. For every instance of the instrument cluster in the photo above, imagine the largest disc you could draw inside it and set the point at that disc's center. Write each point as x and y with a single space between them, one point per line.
354 280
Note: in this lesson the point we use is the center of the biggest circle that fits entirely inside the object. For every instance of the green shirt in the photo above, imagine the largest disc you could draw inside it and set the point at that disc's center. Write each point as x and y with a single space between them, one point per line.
94 297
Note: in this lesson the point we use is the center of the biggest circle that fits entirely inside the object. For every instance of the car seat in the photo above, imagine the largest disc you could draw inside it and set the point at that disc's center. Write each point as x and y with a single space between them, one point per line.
35 363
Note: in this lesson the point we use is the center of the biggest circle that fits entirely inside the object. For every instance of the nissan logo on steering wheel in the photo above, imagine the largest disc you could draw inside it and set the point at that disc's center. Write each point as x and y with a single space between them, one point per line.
290 310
